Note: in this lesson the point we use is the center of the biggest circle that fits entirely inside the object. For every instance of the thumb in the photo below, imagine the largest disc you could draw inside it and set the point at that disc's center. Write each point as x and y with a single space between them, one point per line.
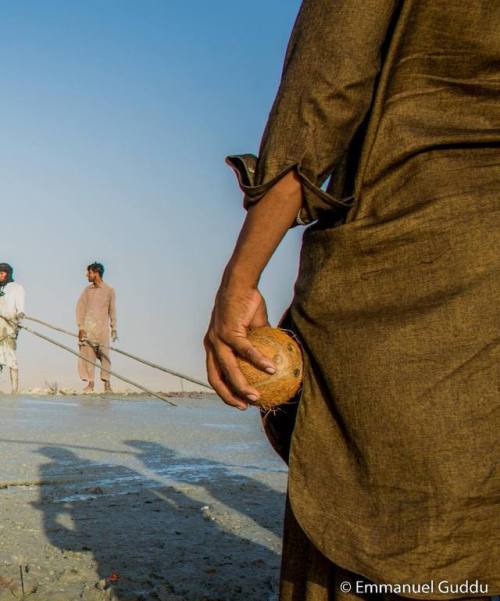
245 349
260 318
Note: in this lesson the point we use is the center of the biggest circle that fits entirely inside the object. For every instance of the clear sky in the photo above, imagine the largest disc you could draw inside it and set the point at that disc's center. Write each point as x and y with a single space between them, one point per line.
115 117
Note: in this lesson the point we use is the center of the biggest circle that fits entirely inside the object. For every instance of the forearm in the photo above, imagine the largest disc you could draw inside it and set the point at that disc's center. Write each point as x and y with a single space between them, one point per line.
20 303
265 226
112 317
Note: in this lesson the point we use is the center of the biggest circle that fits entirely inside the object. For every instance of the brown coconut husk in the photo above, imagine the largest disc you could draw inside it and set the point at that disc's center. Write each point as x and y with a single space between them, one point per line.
278 388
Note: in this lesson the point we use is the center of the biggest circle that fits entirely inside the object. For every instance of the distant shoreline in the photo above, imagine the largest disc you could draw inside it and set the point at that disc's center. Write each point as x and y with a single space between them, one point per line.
116 393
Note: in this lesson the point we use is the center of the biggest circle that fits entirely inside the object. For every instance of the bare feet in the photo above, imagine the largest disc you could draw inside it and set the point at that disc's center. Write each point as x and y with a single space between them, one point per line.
107 386
89 388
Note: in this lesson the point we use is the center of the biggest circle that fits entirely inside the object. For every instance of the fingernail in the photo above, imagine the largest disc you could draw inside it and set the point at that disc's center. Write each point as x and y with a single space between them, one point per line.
270 370
252 397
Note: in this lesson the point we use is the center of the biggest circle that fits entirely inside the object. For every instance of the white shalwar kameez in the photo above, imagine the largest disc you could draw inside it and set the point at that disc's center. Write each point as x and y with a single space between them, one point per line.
11 306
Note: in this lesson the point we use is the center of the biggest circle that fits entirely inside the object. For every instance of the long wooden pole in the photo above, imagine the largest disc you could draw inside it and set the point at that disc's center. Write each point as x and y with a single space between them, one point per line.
129 355
70 350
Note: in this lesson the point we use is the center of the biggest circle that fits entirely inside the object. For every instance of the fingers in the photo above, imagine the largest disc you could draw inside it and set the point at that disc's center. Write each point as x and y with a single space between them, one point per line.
216 381
223 358
228 364
247 351
226 340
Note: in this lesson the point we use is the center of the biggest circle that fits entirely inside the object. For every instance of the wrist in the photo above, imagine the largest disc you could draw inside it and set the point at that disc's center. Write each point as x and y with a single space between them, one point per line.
237 276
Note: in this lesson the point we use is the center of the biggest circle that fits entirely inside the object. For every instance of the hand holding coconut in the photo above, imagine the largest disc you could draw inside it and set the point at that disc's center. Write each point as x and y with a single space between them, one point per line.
236 310
277 388
268 366
239 306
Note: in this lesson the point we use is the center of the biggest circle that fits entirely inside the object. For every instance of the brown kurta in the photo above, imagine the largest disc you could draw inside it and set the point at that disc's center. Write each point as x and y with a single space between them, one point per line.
96 314
394 463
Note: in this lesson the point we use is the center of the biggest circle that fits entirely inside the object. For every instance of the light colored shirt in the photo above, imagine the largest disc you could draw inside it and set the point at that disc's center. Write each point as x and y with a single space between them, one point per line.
96 312
12 302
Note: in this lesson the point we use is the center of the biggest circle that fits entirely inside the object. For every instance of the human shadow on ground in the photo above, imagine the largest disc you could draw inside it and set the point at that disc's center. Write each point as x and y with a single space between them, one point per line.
163 540
243 494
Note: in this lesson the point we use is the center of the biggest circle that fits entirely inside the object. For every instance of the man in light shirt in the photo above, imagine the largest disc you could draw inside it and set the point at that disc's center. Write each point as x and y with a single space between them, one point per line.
11 313
96 319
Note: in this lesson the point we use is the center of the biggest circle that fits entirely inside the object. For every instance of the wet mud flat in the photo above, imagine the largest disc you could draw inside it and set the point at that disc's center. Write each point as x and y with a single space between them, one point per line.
134 500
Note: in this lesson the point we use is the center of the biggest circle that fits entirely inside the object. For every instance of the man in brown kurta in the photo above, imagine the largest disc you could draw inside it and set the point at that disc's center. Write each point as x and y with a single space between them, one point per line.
395 455
96 319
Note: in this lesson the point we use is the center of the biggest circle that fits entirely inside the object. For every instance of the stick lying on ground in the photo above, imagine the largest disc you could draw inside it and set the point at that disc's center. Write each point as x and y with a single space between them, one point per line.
129 355
70 350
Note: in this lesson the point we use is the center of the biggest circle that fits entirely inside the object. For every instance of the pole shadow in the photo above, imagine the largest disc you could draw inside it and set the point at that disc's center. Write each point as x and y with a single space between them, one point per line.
155 536
243 494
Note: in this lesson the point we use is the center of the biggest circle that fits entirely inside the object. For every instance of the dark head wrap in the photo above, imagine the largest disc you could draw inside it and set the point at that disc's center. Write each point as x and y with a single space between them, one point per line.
9 271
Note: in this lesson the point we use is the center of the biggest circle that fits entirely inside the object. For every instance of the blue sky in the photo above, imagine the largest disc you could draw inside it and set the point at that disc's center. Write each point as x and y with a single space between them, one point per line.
115 119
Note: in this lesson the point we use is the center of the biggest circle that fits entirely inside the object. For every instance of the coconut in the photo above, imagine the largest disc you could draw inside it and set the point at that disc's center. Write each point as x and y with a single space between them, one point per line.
279 346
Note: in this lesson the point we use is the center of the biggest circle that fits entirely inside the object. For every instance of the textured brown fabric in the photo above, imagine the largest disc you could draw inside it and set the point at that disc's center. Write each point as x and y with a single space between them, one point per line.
307 575
394 462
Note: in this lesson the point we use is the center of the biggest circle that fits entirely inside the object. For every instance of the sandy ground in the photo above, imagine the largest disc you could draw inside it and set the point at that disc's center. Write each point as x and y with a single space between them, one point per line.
128 499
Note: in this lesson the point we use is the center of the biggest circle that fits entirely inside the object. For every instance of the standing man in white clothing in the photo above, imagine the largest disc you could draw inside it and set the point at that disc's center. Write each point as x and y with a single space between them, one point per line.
11 313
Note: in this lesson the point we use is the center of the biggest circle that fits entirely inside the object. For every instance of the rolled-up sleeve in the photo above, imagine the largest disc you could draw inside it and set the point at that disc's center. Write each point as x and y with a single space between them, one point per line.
326 89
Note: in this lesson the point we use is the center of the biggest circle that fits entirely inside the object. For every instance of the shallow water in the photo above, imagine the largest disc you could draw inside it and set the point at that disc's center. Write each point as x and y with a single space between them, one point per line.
196 436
